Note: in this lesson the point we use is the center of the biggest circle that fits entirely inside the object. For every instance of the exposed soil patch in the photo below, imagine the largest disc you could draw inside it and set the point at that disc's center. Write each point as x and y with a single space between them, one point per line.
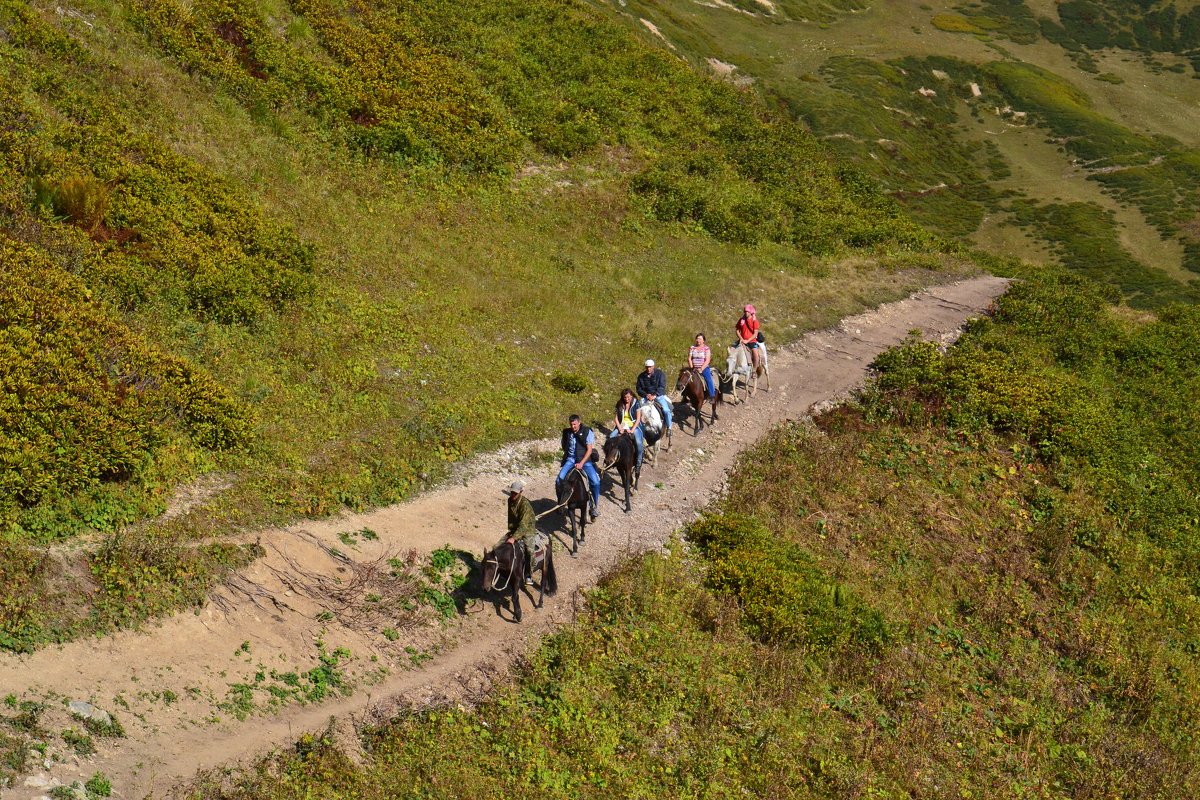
194 691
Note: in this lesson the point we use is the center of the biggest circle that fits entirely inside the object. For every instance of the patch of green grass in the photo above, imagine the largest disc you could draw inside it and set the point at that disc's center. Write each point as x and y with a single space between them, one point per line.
98 786
80 743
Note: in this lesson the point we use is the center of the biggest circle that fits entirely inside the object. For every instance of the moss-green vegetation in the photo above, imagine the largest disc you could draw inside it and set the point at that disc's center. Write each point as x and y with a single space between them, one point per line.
1156 174
1084 238
976 581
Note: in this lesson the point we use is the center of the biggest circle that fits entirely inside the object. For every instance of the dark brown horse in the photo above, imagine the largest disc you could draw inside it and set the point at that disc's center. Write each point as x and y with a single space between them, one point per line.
621 452
575 494
691 385
504 572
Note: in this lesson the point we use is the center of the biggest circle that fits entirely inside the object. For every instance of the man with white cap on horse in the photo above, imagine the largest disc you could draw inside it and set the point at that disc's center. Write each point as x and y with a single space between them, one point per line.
653 381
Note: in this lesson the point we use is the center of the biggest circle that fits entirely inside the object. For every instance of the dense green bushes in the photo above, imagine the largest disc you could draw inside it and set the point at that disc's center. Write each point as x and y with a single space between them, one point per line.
480 85
85 403
128 215
785 597
1109 401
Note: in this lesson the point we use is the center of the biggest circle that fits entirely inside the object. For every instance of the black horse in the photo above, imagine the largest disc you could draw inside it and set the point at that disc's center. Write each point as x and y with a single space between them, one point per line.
575 494
691 385
621 452
504 571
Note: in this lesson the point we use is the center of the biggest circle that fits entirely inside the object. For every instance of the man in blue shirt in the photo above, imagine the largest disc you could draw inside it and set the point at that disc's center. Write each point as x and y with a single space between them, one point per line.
578 442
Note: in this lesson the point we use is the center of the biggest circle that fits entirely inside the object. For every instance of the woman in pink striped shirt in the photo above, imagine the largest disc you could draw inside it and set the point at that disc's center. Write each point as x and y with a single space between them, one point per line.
700 359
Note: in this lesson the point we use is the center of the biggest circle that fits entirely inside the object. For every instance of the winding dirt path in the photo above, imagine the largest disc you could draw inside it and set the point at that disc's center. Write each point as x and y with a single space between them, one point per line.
166 683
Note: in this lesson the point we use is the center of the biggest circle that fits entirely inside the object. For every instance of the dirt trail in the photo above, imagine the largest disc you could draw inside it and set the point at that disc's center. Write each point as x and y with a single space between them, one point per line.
164 682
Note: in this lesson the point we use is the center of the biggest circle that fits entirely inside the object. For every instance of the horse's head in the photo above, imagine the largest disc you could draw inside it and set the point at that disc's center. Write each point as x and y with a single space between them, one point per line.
685 377
611 451
491 565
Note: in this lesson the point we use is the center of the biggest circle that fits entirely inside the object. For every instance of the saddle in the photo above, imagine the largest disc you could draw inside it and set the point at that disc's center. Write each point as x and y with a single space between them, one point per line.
539 553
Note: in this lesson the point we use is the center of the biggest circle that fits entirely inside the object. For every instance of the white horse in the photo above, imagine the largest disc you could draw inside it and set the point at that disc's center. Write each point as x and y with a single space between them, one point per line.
739 368
652 428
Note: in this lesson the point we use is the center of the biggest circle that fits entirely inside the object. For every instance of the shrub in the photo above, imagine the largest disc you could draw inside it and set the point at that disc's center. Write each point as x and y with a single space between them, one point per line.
98 786
570 382
784 597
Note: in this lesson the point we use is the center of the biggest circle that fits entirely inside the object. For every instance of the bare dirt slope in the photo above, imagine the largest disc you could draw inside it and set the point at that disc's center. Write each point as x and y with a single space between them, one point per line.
176 687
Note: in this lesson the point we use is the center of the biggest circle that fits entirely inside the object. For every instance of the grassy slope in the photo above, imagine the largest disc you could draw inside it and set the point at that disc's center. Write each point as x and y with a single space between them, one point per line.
978 583
929 141
425 315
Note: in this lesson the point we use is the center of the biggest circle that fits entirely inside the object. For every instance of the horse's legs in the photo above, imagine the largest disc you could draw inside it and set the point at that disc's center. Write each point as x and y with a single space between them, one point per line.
518 581
541 583
574 533
583 515
628 476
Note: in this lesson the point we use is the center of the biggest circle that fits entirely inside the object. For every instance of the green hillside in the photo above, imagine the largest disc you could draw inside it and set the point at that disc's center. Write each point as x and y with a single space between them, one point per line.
312 253
978 580
1065 132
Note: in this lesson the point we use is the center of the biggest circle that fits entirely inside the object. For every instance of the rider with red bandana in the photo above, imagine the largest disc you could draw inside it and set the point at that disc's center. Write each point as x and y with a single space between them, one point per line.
748 331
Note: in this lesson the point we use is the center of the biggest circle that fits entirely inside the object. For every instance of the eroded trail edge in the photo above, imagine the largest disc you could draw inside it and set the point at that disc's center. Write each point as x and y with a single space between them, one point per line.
180 687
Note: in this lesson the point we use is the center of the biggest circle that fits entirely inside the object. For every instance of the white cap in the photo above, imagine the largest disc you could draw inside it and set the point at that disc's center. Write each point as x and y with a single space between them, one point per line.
516 486
649 362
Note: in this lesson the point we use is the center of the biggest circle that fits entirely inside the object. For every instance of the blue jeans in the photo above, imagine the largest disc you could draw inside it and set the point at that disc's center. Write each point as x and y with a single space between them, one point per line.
707 373
593 476
638 437
665 405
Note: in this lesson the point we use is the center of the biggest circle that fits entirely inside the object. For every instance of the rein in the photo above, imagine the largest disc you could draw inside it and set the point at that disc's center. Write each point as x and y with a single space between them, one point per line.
560 505
693 375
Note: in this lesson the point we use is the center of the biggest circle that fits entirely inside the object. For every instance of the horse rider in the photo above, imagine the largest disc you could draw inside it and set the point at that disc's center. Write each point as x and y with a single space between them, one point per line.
748 333
628 419
653 381
578 442
700 359
521 528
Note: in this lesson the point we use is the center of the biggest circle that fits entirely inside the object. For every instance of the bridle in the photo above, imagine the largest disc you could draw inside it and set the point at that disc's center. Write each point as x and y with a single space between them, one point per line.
496 575
692 374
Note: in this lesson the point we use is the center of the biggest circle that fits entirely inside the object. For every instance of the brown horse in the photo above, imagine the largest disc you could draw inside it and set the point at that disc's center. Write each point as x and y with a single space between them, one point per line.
504 572
691 385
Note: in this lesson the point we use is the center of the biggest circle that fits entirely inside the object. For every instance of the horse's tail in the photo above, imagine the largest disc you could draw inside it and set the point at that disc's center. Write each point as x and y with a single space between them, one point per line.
549 578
